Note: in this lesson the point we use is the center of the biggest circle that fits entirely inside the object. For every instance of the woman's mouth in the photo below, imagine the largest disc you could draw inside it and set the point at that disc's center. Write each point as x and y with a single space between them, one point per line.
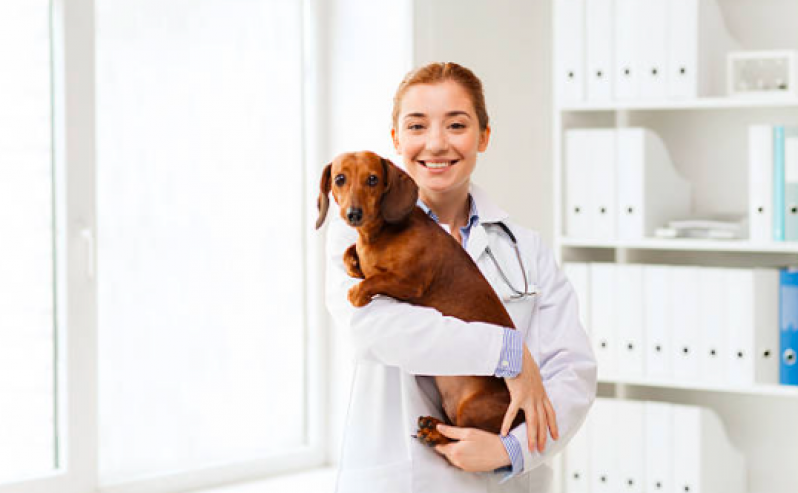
438 164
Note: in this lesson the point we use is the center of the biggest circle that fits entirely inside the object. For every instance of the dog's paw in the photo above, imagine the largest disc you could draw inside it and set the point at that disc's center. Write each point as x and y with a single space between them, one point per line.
428 433
357 297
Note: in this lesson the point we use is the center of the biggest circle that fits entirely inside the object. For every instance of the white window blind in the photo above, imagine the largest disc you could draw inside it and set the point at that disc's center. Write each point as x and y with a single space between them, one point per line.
200 227
27 317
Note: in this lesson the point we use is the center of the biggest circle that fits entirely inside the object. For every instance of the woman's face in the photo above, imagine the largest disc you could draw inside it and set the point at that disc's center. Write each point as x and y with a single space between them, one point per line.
437 134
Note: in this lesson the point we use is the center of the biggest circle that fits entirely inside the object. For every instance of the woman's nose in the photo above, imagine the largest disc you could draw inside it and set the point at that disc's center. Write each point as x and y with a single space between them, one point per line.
437 141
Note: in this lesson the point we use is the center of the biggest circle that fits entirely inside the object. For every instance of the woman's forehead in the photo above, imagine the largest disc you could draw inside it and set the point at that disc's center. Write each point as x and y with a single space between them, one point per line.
442 98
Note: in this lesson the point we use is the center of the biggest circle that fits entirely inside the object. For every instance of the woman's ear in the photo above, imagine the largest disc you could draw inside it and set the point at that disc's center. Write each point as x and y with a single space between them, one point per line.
324 191
400 195
484 139
395 139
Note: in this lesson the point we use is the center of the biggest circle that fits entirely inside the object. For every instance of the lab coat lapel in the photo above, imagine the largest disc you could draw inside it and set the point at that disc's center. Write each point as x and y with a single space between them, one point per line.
477 242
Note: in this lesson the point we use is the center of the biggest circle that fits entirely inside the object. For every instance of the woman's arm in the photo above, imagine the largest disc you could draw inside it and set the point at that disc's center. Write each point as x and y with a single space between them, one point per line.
416 339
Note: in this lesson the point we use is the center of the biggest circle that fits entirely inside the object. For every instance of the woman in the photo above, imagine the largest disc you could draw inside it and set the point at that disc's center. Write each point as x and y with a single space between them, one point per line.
440 126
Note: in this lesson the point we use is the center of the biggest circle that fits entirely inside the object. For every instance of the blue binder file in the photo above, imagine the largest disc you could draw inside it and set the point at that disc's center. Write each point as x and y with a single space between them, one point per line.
779 204
788 325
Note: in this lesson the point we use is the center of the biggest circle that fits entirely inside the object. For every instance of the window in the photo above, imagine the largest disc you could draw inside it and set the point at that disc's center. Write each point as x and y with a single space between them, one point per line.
27 279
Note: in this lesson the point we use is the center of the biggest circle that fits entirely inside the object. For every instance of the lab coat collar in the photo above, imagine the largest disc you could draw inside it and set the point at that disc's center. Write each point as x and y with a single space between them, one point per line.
489 212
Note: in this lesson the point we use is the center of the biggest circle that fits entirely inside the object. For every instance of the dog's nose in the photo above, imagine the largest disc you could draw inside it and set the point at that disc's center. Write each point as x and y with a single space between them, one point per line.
354 215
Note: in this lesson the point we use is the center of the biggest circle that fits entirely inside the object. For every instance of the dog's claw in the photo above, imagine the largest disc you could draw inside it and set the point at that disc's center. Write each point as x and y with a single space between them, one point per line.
428 433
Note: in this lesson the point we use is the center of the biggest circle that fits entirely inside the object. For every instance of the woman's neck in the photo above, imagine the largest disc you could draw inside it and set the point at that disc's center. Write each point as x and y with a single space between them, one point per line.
451 208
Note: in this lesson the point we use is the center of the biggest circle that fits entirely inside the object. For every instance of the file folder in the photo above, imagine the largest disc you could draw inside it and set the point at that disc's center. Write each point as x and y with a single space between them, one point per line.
658 324
599 23
569 21
659 447
631 347
788 324
713 324
760 182
604 439
577 461
578 273
653 51
603 318
791 184
752 356
779 201
630 443
590 184
684 293
578 151
627 40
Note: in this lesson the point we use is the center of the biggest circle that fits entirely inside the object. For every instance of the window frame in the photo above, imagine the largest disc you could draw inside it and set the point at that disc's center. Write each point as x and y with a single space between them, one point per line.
73 42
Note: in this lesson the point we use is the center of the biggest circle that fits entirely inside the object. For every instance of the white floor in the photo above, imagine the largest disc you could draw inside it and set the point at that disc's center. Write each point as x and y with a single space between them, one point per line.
311 481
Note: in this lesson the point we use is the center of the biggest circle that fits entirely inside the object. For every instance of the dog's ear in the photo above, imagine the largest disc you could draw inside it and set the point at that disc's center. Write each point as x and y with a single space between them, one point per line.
324 192
400 195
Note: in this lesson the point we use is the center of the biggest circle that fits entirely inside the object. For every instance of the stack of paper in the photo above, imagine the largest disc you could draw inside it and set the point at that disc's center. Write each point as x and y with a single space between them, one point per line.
713 229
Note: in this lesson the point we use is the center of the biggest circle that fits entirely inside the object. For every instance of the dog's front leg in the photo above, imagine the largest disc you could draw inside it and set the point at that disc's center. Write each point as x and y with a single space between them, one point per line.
404 289
352 263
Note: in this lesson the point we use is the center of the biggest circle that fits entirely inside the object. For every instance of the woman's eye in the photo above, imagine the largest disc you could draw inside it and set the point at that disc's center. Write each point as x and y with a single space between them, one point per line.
415 126
372 180
457 126
340 180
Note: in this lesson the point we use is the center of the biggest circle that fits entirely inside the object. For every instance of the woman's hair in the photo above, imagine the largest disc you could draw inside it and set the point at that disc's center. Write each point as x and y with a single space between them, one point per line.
434 73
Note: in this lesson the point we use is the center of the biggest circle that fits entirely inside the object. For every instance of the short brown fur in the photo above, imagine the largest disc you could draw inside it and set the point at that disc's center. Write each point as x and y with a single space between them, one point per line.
401 252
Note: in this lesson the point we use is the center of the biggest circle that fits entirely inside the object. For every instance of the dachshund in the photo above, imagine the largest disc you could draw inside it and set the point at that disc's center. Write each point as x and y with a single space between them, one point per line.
402 253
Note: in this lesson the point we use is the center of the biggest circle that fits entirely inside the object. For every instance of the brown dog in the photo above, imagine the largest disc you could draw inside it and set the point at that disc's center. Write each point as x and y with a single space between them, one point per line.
401 252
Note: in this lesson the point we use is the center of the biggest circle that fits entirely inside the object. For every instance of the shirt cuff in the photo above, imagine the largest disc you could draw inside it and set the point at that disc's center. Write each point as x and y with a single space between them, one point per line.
512 354
516 457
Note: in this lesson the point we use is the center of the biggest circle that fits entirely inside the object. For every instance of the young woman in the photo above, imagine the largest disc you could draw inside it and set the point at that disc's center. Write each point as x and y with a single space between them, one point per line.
440 126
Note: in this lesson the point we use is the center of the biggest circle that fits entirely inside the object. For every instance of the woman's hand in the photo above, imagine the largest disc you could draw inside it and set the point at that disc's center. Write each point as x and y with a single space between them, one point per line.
528 394
476 450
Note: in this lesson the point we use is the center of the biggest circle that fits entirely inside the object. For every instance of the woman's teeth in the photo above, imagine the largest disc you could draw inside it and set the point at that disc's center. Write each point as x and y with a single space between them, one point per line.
438 165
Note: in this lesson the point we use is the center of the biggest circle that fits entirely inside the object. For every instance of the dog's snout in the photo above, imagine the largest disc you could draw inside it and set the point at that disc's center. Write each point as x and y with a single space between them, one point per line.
354 215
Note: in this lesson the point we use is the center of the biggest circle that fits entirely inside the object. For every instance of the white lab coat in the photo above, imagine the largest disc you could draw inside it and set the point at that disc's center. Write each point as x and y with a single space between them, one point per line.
397 344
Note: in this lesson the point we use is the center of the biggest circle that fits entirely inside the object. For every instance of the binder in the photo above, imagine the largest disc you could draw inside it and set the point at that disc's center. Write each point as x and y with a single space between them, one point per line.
651 191
577 184
604 438
569 19
713 324
658 423
658 321
684 293
631 347
626 79
760 182
698 43
752 326
704 460
578 273
603 317
598 23
630 444
791 184
788 325
653 52
778 183
577 460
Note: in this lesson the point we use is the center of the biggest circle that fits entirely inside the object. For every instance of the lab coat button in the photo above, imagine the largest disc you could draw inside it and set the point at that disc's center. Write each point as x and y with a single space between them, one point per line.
505 363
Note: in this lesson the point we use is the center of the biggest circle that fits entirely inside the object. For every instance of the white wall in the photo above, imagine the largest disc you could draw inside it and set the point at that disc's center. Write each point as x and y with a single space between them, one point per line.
507 43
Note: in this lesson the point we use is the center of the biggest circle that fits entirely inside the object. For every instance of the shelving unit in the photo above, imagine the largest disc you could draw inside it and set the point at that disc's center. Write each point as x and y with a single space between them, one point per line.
707 142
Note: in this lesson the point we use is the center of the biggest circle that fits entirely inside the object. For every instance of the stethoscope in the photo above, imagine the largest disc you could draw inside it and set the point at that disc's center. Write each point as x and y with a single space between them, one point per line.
517 294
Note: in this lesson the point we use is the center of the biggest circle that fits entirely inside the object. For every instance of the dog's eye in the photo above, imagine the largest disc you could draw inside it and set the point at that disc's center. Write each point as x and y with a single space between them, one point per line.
340 180
372 180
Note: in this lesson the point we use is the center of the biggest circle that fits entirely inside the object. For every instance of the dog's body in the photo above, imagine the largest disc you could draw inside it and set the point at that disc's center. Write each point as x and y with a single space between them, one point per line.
401 252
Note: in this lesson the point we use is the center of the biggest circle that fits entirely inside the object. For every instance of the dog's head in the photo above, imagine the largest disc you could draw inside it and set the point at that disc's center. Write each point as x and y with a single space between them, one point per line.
368 189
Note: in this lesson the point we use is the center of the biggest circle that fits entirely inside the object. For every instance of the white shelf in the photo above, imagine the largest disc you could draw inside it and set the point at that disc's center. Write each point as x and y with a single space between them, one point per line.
686 245
760 390
683 104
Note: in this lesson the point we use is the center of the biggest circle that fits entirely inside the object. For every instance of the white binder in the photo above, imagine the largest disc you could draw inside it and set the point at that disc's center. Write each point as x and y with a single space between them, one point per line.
651 191
630 443
760 182
598 23
698 43
604 438
753 326
653 51
704 460
603 198
712 324
658 321
577 461
684 292
626 79
578 273
577 184
631 348
658 422
603 317
569 18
